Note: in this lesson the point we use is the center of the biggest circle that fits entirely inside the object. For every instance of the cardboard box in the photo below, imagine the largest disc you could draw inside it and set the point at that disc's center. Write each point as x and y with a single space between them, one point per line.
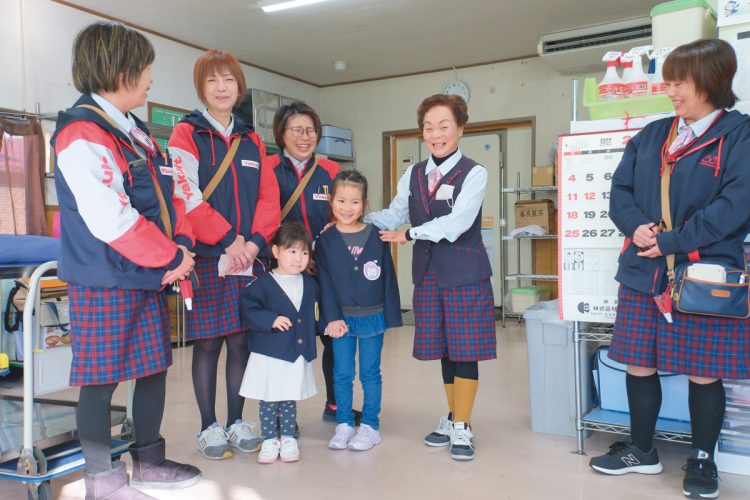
522 298
539 212
543 176
545 262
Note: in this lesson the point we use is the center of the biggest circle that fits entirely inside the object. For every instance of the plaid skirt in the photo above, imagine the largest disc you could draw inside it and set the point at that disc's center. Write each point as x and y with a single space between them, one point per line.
697 345
456 322
216 301
117 335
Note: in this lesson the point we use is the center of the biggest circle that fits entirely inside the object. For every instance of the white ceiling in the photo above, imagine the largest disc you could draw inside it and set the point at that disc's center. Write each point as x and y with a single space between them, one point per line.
377 38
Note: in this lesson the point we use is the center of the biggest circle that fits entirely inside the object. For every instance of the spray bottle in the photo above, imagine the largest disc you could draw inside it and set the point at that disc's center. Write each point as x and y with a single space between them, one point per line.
658 85
610 87
637 82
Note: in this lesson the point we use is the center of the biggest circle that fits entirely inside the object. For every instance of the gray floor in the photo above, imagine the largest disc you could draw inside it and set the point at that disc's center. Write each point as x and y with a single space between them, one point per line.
512 462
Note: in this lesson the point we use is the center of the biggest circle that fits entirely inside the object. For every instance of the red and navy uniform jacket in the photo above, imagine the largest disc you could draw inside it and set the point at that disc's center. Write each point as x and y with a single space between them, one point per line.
709 196
262 301
457 263
313 207
112 235
246 200
370 280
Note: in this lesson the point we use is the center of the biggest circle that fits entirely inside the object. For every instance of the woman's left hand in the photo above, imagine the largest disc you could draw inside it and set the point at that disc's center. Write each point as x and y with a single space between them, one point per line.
651 253
251 251
393 237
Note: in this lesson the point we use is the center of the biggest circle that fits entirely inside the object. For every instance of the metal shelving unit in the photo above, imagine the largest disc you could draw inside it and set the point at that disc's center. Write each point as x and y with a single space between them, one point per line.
504 275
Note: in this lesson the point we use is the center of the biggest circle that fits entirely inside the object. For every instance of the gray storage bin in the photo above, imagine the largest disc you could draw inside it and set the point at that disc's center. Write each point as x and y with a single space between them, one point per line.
551 371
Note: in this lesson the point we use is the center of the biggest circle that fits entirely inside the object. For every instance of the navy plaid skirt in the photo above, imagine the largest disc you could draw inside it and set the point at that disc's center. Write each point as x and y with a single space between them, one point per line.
456 322
697 345
216 301
117 335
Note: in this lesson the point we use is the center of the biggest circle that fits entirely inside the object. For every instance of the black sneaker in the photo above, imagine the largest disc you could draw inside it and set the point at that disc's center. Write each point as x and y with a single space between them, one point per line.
623 457
701 477
329 414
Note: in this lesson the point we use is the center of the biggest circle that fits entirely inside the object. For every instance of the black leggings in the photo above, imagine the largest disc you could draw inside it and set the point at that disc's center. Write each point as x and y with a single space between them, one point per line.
205 365
462 369
94 423
327 364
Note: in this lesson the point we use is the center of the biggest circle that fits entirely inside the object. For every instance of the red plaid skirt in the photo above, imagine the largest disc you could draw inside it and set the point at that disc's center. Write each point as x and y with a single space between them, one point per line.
697 345
457 322
216 301
117 335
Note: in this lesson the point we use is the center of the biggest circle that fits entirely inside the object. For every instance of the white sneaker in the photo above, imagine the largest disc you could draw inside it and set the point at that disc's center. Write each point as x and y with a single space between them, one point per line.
462 442
242 436
213 443
269 452
441 436
366 438
289 450
340 440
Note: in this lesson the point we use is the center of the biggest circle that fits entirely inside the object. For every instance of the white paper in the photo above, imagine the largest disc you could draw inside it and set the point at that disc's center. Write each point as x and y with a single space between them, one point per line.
444 192
732 12
224 265
741 84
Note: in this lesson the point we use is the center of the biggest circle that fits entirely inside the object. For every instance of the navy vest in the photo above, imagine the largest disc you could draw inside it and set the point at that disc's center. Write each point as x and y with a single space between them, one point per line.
459 263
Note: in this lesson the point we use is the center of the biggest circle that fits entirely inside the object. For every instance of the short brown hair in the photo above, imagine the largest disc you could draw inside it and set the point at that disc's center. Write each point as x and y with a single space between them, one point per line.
103 51
710 64
287 111
217 62
455 103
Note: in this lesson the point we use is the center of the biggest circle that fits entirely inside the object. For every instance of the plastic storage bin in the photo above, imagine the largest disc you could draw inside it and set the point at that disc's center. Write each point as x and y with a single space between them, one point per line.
609 378
551 371
335 141
620 108
523 297
682 21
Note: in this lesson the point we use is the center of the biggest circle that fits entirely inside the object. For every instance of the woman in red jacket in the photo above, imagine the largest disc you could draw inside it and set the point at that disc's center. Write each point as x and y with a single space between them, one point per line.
232 203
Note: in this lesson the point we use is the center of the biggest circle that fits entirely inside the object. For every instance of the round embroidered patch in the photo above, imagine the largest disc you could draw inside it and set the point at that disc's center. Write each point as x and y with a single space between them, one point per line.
371 270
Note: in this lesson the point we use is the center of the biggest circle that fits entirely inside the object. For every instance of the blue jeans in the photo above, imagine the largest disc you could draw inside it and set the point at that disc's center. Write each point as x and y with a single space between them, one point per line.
344 351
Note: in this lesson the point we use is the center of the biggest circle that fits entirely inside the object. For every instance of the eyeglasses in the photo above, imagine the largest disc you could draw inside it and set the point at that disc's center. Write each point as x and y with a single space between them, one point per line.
298 131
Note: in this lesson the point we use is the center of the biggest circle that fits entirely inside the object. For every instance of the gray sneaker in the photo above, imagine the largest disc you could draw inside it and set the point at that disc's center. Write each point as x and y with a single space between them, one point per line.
442 435
241 435
462 442
213 443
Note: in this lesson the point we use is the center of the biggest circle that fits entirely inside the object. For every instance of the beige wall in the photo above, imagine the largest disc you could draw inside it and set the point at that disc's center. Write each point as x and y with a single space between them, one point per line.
498 91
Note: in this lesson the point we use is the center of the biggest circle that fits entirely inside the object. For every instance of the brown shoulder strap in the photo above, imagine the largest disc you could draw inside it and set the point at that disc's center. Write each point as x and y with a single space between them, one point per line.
163 211
666 214
298 191
222 169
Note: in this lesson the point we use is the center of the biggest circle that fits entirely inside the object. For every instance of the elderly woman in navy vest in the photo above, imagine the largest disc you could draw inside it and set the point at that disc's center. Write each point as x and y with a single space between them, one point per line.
453 304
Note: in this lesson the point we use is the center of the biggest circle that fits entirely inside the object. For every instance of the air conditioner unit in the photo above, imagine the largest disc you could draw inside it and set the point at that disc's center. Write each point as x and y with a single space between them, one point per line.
580 50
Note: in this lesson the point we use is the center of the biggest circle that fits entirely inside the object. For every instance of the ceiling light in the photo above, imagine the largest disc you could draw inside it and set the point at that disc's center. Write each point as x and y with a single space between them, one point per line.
339 65
274 5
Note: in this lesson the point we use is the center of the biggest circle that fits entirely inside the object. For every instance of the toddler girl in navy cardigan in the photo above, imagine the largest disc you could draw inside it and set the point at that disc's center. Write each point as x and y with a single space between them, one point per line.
281 311
360 300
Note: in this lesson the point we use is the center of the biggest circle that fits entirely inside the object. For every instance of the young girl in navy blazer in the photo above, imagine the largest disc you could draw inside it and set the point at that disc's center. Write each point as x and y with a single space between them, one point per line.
360 300
281 311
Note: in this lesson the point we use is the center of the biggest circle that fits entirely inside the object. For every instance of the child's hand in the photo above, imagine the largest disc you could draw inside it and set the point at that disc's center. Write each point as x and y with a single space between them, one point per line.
282 323
336 329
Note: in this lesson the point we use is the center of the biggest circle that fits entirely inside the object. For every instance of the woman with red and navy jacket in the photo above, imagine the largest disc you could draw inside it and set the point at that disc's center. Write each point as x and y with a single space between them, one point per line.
297 129
234 211
123 238
706 149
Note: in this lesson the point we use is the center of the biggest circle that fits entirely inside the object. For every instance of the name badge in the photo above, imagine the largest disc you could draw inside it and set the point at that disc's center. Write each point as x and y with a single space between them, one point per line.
444 192
250 163
371 270
166 171
321 197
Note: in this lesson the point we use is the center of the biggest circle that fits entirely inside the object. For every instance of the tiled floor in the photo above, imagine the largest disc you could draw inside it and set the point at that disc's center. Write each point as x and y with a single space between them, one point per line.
512 462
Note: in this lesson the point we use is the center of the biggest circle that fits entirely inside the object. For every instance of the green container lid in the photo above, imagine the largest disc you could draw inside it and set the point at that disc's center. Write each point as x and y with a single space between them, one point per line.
530 290
677 5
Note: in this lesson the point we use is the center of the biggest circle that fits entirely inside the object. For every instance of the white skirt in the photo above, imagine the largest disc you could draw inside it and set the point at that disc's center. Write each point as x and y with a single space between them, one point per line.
271 379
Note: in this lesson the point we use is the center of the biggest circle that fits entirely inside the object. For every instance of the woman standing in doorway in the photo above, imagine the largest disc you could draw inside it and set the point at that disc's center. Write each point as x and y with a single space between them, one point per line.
453 303
233 205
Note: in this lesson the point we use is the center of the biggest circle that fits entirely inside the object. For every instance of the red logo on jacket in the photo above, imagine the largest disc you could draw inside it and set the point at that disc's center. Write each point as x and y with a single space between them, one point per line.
181 179
710 161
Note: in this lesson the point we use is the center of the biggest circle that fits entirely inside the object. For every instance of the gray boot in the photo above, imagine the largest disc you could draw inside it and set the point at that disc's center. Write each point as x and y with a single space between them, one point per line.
152 470
112 485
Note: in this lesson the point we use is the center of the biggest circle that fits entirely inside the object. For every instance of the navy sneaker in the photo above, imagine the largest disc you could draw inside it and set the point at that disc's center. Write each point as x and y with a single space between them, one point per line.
701 477
624 457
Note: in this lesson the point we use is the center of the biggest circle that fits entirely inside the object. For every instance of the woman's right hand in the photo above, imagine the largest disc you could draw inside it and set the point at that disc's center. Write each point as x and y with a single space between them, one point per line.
183 270
644 236
238 259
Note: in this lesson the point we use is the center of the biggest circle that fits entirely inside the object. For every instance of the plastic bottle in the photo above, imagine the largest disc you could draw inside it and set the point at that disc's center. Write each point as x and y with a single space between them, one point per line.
610 87
637 82
658 85
627 69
